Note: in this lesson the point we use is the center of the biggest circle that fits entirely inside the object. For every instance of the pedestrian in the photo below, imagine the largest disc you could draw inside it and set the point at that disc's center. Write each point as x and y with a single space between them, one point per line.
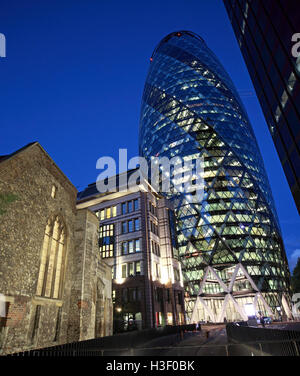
262 321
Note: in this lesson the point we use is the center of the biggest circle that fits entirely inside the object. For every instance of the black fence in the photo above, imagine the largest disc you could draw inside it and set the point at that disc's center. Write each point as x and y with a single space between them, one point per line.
263 341
112 345
242 341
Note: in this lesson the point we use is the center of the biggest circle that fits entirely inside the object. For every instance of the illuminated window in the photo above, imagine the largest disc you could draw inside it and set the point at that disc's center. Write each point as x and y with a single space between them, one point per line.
170 318
137 245
107 213
106 240
159 318
130 246
131 269
138 268
53 191
52 260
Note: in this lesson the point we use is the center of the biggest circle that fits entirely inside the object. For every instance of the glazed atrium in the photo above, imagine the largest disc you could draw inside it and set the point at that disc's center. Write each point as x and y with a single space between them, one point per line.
229 242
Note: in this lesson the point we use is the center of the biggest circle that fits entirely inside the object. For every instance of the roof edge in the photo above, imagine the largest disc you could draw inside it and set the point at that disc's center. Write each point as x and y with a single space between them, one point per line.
27 148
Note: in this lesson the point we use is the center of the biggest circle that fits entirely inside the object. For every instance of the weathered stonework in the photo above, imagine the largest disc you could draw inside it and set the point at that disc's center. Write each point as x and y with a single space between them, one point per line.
32 320
91 284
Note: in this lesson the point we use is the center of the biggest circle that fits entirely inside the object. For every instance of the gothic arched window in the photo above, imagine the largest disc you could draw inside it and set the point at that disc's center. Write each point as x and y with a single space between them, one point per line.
52 260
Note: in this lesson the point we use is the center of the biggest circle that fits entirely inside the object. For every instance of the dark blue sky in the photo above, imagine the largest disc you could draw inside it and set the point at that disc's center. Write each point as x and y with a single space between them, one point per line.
74 75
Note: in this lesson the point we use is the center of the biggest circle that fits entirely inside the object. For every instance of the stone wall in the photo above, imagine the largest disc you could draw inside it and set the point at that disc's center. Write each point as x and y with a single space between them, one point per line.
35 321
91 298
30 176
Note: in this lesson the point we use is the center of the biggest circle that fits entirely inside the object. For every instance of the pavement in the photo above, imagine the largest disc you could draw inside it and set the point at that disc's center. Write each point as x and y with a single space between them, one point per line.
210 341
189 344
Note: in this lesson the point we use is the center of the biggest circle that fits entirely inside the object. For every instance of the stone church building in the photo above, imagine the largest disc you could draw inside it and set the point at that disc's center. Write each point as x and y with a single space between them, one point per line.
54 286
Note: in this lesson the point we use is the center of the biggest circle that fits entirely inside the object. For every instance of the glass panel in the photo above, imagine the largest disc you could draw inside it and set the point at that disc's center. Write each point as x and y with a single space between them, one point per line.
131 269
124 271
137 245
136 224
170 318
130 246
136 204
138 268
125 295
124 248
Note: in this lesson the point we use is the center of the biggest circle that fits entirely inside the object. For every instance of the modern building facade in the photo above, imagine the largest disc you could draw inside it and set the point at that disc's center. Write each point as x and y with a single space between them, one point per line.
137 239
54 287
267 32
230 246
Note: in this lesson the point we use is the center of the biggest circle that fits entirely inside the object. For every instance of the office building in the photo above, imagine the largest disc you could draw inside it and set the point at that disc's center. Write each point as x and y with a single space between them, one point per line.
137 239
230 245
268 35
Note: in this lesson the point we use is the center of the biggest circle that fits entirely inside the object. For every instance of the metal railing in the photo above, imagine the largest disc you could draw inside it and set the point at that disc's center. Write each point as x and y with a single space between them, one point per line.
266 341
242 341
120 342
265 348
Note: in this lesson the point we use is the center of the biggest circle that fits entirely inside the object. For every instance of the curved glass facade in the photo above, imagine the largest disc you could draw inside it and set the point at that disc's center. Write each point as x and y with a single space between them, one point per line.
230 243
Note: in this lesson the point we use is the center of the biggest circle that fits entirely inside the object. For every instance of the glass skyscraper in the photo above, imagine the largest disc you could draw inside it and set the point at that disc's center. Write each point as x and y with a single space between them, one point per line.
267 32
229 243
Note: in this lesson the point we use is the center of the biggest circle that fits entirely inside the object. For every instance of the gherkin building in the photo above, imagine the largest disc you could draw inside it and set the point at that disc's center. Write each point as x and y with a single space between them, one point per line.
229 242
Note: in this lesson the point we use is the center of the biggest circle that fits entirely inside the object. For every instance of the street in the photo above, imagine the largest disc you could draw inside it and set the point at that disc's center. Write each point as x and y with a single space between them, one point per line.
212 338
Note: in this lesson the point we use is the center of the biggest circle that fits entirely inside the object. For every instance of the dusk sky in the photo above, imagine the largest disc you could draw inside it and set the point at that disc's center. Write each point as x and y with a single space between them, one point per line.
74 75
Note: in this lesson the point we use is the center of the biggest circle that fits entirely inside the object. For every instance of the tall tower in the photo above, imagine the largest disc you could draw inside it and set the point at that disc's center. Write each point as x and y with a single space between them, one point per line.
267 32
230 246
